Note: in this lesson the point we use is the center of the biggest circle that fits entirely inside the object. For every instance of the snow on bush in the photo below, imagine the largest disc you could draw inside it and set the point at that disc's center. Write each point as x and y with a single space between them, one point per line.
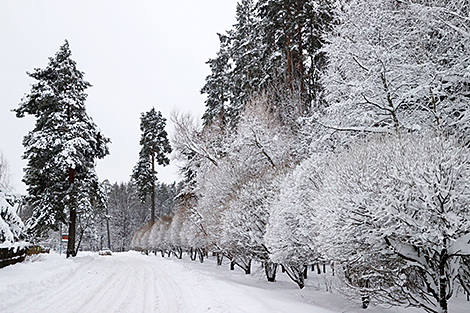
399 64
12 231
396 215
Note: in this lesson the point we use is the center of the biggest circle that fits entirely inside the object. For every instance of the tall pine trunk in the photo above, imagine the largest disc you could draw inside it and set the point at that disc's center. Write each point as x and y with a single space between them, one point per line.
73 220
152 213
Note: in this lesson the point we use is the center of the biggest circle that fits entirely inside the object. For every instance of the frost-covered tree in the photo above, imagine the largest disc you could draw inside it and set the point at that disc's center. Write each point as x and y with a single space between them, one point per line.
233 196
399 65
395 215
126 214
155 147
140 238
5 176
62 149
291 234
159 239
175 233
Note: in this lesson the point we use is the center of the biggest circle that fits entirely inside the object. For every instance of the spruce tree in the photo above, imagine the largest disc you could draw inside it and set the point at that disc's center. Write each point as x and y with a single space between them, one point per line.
155 147
61 149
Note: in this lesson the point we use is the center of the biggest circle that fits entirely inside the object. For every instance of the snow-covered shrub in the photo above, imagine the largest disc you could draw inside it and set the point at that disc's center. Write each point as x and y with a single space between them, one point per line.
291 235
175 233
11 227
159 237
140 238
396 215
236 194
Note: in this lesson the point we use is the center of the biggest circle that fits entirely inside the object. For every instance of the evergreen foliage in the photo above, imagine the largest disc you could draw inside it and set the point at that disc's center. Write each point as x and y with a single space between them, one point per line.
62 148
155 147
274 44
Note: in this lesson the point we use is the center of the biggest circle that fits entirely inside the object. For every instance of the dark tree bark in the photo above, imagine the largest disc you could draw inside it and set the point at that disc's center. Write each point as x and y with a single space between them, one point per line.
296 274
220 257
271 269
193 254
73 221
152 212
201 254
443 281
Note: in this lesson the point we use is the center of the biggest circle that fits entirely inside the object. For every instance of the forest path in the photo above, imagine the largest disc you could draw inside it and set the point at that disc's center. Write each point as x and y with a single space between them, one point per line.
132 282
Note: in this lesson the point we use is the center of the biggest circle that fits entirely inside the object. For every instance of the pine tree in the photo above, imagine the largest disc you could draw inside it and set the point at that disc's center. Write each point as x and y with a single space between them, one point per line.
217 85
61 149
275 45
236 71
292 35
155 147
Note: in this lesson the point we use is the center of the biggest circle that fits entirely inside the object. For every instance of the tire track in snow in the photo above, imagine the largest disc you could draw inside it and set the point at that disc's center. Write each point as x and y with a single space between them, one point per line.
62 296
110 295
176 299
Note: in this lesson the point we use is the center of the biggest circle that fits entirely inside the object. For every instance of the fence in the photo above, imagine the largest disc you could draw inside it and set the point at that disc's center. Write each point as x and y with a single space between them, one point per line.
9 256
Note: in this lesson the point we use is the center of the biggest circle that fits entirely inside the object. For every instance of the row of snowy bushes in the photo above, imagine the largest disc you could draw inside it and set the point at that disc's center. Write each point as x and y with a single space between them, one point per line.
374 177
391 211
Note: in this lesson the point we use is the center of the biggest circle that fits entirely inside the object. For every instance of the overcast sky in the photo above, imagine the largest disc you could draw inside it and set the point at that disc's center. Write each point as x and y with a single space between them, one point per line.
137 54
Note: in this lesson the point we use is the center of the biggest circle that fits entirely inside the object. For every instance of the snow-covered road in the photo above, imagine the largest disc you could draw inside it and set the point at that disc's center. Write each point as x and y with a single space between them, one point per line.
131 282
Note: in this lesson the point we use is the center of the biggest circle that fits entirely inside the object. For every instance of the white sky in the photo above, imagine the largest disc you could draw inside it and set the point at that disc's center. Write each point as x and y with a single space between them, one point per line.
136 53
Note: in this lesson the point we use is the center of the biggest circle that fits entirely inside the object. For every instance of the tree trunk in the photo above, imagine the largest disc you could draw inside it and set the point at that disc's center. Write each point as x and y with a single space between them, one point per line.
82 231
248 267
152 213
271 269
201 254
179 253
71 243
193 254
296 274
220 257
73 219
107 228
443 281
365 296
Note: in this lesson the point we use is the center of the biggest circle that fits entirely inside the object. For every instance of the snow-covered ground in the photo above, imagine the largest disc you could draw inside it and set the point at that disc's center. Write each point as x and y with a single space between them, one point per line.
132 282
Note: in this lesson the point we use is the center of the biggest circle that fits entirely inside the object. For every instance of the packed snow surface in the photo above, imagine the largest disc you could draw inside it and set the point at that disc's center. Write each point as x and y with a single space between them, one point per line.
132 282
